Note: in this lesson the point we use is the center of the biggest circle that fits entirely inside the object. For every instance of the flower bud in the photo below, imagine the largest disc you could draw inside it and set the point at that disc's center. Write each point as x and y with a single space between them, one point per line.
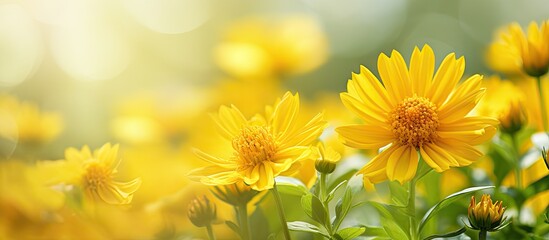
514 118
201 211
485 215
328 159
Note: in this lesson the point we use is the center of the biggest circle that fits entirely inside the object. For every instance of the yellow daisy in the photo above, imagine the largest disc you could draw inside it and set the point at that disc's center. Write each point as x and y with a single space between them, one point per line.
417 112
264 146
95 174
514 50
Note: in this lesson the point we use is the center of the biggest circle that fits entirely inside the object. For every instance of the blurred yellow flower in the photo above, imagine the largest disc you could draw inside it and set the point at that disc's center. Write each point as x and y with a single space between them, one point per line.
417 113
33 125
485 215
95 174
504 101
265 47
514 50
264 146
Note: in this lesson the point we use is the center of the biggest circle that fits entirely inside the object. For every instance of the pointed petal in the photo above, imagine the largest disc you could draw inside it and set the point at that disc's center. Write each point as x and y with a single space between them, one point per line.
402 164
462 101
369 113
285 114
375 170
436 157
365 136
214 160
395 76
229 121
422 67
446 78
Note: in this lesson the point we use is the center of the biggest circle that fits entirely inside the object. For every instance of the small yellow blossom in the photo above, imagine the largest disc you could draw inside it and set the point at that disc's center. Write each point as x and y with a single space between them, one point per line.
485 215
514 50
95 173
264 146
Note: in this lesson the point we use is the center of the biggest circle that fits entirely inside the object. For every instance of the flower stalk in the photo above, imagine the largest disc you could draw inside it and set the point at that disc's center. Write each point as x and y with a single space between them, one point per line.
242 210
281 214
542 104
412 209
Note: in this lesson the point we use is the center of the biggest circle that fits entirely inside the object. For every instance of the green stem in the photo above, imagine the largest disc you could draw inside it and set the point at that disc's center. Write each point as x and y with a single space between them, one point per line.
210 232
243 220
542 105
518 172
412 209
281 213
323 198
482 235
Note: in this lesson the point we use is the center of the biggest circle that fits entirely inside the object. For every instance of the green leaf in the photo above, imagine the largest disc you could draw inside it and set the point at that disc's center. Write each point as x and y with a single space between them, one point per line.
447 201
399 193
500 154
447 235
290 186
375 231
349 233
319 212
537 187
233 227
306 227
307 204
332 193
394 220
342 207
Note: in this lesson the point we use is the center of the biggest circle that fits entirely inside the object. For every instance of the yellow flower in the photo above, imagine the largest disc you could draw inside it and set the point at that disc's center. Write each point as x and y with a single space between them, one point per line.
264 147
96 174
259 46
33 125
504 101
485 215
415 112
328 159
515 50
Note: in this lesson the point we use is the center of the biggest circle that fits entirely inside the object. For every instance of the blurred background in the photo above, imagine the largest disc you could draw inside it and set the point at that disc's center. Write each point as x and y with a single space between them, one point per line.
146 74
83 59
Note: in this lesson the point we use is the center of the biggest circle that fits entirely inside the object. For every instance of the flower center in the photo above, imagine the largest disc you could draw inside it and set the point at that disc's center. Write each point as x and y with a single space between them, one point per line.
96 176
414 121
254 145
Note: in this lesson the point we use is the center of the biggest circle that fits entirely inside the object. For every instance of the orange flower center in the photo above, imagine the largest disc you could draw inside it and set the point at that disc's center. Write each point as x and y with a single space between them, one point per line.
96 176
414 121
254 145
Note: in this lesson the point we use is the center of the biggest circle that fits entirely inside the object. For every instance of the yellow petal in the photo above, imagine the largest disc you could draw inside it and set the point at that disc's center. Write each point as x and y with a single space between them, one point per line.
422 67
436 157
446 78
214 160
285 114
229 121
369 113
365 136
402 164
395 76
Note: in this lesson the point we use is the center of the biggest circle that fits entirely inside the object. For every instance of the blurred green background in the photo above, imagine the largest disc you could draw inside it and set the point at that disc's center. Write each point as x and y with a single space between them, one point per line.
82 58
